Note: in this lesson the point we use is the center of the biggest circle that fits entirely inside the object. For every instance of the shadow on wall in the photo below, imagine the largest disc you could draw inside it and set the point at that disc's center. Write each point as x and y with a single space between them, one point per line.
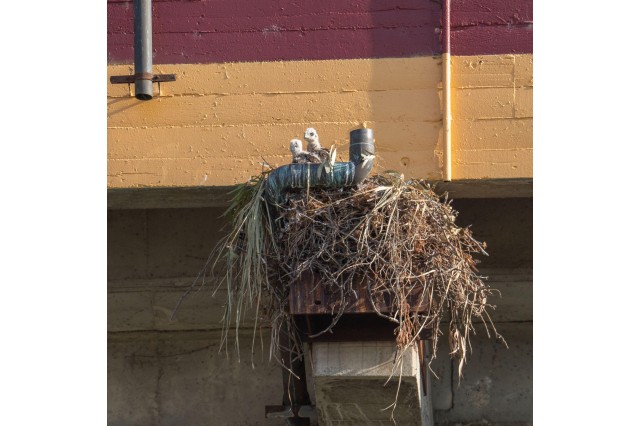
505 224
409 135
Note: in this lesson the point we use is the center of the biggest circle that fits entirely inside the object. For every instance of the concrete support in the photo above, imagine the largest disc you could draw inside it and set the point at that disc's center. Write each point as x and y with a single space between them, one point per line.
170 372
350 377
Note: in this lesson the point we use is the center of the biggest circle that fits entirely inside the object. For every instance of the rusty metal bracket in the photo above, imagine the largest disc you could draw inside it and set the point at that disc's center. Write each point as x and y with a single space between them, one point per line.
130 79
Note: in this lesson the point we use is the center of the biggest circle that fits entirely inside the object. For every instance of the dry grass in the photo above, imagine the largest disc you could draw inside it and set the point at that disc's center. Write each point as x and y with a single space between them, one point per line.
398 235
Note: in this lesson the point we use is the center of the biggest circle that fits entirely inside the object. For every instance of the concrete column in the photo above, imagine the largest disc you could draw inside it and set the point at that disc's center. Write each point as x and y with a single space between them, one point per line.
350 377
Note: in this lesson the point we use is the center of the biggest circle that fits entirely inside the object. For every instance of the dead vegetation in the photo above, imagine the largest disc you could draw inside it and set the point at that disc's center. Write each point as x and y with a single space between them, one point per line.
396 234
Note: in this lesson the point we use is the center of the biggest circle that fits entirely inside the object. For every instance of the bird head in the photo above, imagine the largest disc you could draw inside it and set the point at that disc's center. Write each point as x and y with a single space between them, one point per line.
311 136
295 146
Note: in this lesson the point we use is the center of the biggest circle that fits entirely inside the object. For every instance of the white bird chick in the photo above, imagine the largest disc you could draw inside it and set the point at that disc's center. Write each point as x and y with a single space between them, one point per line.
313 144
295 146
300 156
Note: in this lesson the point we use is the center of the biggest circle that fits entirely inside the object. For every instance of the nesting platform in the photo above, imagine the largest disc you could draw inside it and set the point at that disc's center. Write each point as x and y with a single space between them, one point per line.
313 308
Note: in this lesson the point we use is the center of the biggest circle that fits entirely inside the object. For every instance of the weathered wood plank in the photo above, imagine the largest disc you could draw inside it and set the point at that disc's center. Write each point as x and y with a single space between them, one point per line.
308 297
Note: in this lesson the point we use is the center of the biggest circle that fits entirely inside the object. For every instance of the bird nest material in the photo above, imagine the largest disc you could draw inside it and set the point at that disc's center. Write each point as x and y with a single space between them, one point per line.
398 235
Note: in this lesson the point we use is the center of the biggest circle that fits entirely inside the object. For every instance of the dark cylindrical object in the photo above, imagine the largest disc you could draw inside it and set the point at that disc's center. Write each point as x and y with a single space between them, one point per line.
361 153
143 49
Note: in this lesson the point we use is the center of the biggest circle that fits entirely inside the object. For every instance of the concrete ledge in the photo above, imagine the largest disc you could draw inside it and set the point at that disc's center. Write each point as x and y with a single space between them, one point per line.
487 188
163 198
219 196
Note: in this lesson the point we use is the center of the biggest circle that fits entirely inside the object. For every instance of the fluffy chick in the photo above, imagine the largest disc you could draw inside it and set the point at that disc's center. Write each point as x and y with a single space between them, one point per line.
313 144
300 156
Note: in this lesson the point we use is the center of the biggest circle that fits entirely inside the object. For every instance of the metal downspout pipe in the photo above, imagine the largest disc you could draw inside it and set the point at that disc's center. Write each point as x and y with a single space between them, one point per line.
143 49
446 88
143 78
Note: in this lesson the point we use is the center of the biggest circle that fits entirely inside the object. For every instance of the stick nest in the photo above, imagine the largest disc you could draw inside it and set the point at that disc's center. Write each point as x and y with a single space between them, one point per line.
398 235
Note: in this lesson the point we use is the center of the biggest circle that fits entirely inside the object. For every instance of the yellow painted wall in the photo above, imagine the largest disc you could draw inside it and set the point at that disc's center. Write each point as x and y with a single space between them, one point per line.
218 122
492 109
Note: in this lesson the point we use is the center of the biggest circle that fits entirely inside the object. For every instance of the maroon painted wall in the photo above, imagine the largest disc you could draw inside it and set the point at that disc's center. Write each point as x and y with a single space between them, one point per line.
491 27
204 31
253 30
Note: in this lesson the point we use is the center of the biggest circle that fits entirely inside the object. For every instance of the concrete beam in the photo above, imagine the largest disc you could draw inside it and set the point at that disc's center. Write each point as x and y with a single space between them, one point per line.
219 196
179 378
178 197
147 304
497 383
350 377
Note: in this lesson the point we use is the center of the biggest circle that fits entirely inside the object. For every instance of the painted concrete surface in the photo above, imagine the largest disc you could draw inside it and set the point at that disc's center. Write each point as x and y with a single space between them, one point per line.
355 381
492 113
249 75
167 379
497 383
163 372
181 378
241 30
245 30
218 123
491 26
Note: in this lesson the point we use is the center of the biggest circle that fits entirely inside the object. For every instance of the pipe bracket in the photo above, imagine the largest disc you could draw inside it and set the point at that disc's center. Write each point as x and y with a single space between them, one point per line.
130 79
